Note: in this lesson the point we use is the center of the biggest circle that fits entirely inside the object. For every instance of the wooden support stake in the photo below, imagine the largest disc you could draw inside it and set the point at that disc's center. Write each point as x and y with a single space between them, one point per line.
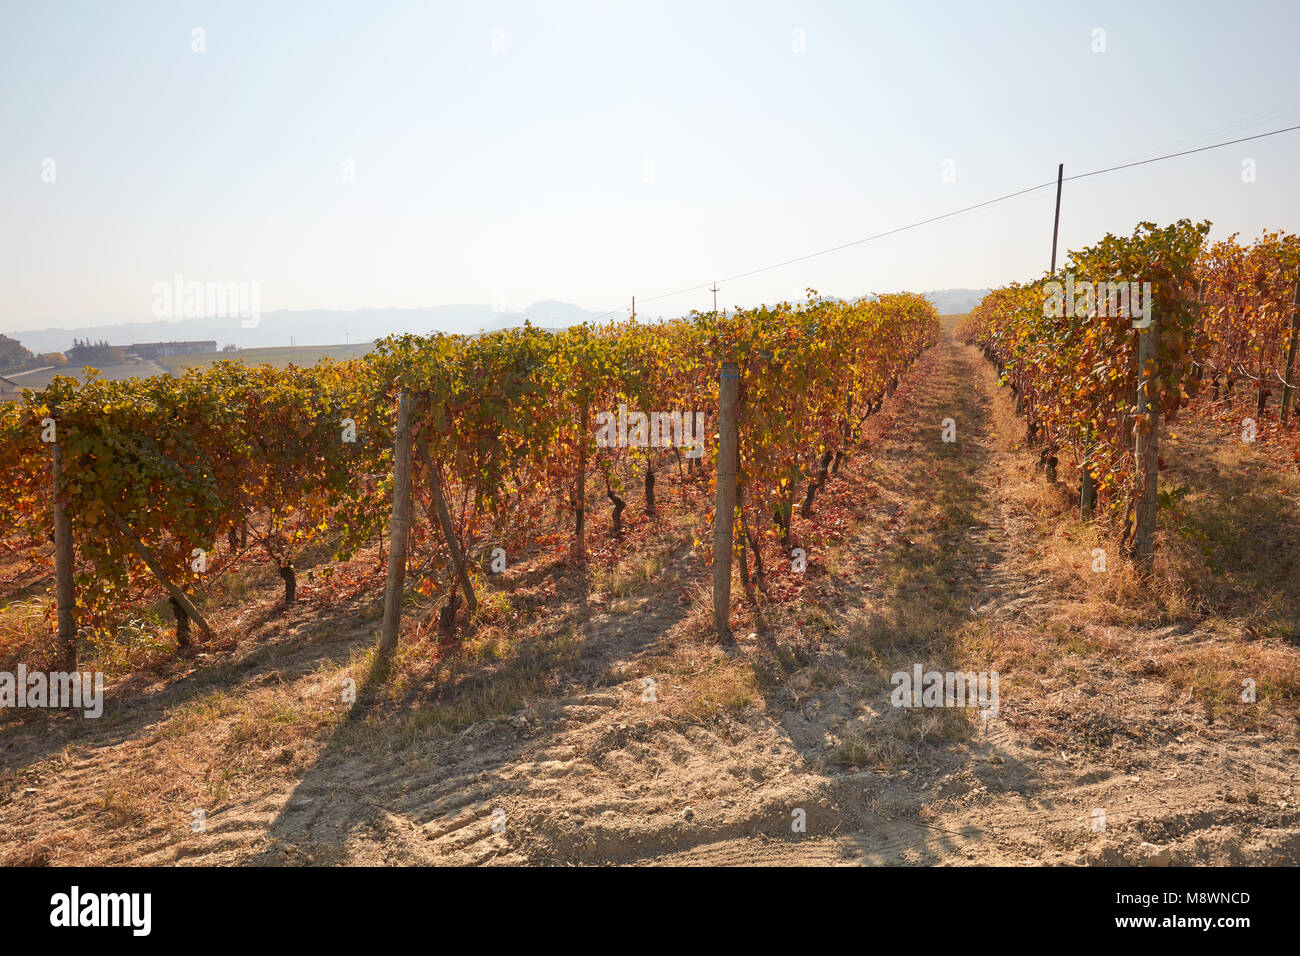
1087 494
1287 388
147 556
448 529
1148 444
400 529
725 512
64 567
580 492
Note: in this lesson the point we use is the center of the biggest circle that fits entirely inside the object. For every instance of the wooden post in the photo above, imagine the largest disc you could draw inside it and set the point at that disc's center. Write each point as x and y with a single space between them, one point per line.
64 561
182 623
448 529
147 556
400 530
1287 388
1148 443
580 491
725 512
693 464
745 580
1087 489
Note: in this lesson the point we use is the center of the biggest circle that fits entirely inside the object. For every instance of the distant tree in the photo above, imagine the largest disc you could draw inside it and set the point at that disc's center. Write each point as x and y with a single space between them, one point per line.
13 357
97 354
52 358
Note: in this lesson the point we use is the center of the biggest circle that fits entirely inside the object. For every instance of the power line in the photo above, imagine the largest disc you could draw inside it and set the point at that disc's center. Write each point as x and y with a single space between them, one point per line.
1185 152
1272 114
958 212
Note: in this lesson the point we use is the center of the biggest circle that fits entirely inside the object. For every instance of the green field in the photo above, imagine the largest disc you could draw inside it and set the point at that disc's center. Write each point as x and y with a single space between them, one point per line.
279 357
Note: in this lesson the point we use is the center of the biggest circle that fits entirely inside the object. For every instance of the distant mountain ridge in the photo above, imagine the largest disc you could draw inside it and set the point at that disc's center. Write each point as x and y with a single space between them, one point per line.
952 301
312 326
332 327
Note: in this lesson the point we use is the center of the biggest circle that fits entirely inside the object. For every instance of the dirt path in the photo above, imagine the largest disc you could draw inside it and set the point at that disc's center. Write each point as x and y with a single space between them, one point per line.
940 571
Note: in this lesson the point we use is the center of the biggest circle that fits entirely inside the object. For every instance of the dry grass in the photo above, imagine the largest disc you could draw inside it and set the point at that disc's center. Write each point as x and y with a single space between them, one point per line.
897 740
49 849
1223 603
704 684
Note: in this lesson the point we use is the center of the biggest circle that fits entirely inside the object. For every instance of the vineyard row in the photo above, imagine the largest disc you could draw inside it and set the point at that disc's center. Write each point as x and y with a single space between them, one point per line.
1133 328
169 480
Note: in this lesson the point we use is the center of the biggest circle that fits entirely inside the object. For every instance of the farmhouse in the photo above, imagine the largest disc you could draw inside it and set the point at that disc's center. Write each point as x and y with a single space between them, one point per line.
150 350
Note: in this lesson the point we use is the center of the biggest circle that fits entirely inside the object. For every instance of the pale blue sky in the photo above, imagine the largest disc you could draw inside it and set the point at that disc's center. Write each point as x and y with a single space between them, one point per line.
520 175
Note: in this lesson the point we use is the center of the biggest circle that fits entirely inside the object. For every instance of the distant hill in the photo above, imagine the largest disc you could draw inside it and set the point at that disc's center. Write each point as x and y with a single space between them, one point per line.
956 301
280 357
13 357
41 377
313 327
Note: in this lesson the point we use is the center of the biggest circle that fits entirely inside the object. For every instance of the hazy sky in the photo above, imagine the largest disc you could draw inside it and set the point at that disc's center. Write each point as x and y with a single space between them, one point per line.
610 149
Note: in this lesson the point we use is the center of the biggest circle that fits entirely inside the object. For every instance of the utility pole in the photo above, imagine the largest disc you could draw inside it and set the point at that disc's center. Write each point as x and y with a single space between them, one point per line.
633 308
714 290
1056 223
